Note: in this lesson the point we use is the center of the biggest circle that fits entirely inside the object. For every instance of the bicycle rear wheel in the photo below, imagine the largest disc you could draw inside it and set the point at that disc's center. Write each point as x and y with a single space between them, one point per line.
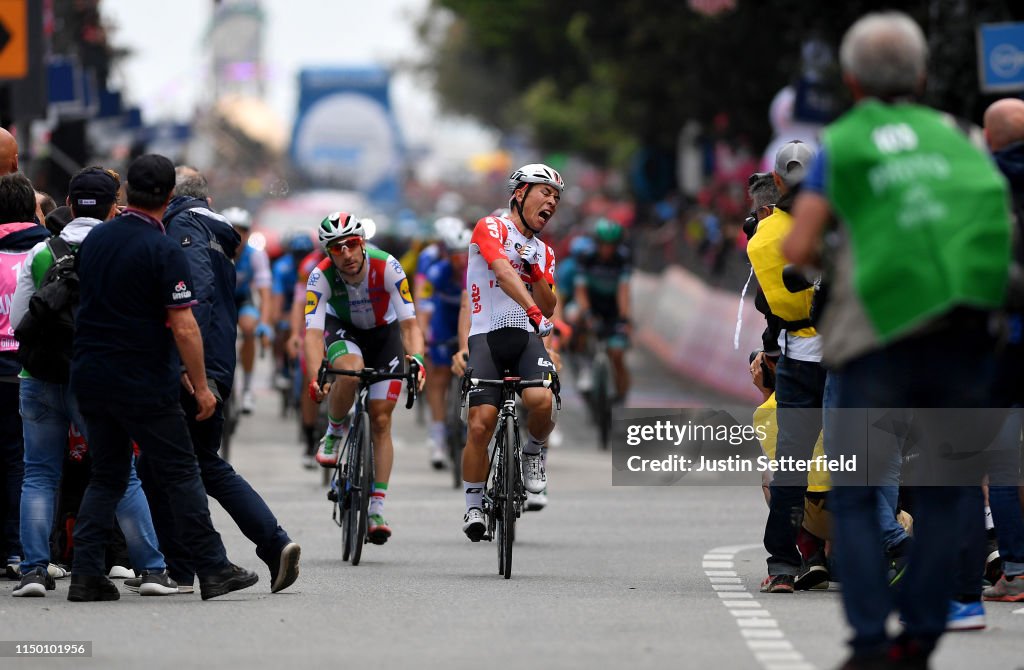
364 486
508 505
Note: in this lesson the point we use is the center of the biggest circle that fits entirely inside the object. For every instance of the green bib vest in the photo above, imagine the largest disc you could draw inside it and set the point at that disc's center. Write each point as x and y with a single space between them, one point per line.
926 212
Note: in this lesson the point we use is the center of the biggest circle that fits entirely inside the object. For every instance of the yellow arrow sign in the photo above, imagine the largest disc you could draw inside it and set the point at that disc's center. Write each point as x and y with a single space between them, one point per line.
13 39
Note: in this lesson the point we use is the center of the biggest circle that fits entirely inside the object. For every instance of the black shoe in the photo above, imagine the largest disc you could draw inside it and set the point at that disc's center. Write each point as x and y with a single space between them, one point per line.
87 588
284 573
153 583
231 578
34 584
814 576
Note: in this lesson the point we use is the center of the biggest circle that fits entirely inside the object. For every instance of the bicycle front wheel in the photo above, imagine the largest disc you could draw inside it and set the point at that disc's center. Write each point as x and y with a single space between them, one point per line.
364 486
510 475
602 400
456 430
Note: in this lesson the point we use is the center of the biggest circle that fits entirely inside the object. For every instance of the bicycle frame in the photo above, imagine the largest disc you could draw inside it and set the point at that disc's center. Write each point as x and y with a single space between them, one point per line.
352 479
505 493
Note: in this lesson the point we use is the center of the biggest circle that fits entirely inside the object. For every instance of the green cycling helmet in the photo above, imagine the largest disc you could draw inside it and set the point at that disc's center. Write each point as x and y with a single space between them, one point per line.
608 231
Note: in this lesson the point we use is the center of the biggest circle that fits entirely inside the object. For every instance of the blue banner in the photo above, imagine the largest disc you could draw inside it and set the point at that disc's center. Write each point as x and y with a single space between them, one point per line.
1001 57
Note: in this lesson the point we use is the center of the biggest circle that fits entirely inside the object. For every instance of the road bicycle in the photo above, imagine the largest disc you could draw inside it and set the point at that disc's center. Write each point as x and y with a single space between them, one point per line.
352 479
505 493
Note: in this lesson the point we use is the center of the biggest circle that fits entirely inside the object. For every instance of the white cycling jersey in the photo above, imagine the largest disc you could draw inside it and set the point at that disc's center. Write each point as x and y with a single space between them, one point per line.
493 238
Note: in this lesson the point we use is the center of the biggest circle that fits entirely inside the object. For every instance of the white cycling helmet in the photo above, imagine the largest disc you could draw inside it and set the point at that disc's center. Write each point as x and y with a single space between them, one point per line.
457 240
535 173
447 225
338 226
238 217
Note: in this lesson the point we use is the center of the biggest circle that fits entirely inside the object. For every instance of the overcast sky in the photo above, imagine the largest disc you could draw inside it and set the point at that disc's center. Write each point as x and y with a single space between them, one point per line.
166 76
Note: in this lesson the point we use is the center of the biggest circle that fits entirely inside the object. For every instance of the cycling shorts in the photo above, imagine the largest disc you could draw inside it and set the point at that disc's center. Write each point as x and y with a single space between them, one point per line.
520 352
380 348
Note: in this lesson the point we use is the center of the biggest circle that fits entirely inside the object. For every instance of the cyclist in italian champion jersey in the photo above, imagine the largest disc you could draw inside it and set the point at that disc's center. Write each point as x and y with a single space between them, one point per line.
439 318
252 267
510 276
358 307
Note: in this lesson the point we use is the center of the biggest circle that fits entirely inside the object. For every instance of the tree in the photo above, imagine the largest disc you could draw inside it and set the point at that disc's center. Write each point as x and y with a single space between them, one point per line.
601 77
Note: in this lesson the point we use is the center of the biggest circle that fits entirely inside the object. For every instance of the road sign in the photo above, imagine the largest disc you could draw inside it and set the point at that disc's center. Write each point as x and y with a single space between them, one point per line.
13 39
1001 57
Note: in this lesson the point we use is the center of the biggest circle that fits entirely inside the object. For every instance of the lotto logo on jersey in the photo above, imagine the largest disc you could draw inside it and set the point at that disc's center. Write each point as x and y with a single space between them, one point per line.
312 300
475 295
181 291
403 290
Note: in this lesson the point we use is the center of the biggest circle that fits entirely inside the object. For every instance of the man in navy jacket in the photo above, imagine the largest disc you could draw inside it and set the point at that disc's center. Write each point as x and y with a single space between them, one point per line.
209 243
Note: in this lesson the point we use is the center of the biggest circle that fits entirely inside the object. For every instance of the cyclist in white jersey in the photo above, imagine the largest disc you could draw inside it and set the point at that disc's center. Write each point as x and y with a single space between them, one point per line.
509 278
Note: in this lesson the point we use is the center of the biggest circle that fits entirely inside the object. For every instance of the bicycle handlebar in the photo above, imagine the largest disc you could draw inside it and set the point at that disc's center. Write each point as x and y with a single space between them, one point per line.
555 386
372 375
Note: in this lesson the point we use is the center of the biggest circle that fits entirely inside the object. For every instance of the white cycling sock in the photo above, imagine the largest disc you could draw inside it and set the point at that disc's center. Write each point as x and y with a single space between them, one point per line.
438 433
474 494
246 381
533 446
989 523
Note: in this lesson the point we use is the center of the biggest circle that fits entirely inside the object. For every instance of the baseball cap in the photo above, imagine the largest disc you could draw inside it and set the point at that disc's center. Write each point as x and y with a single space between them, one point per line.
792 161
93 186
153 174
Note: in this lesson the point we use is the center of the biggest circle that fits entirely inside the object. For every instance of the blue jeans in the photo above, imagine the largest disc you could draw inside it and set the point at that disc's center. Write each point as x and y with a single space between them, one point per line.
47 412
799 391
905 374
163 440
1004 499
12 469
223 484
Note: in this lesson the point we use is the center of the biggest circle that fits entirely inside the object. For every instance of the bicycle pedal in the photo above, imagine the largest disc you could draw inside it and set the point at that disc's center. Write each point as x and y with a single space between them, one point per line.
332 495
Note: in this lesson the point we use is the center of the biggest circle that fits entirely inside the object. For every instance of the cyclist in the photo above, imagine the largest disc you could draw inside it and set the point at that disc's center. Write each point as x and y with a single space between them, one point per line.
510 277
284 275
439 318
307 406
602 292
358 307
432 253
253 270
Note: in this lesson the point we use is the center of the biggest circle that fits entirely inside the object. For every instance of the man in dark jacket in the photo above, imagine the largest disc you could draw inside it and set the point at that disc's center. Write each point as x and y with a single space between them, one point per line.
133 332
18 234
1004 133
209 243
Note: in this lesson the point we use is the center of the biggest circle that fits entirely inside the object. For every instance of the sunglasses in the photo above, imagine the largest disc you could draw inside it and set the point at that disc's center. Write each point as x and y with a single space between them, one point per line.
351 245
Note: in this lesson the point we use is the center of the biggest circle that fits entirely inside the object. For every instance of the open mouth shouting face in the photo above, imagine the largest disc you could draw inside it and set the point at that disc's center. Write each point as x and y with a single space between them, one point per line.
540 205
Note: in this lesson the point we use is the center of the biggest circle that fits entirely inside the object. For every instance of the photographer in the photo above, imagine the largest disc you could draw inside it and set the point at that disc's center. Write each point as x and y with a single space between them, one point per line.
800 382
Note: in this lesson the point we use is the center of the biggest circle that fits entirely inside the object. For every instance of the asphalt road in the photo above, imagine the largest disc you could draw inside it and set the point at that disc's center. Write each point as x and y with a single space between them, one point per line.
637 577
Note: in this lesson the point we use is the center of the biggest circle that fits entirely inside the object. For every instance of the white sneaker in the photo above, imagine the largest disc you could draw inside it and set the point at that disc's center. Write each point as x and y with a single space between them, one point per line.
248 402
56 571
438 454
121 572
535 502
473 524
534 477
